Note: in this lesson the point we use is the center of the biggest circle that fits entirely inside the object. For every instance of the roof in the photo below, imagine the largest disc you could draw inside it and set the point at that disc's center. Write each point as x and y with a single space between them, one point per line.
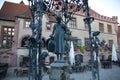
10 10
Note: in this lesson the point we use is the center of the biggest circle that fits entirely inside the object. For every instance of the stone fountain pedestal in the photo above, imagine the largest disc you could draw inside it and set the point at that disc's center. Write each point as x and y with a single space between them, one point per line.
59 71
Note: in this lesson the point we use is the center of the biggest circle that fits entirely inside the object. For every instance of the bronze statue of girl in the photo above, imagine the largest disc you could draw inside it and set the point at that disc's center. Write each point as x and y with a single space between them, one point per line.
59 37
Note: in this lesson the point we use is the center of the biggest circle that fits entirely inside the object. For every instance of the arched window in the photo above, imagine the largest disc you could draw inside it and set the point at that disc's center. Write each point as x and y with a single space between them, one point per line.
24 41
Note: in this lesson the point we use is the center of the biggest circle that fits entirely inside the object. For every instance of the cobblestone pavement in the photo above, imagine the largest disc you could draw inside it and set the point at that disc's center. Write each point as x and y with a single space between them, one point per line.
105 74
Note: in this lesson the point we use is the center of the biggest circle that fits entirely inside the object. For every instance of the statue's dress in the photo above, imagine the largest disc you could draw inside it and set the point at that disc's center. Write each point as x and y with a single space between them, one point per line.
59 38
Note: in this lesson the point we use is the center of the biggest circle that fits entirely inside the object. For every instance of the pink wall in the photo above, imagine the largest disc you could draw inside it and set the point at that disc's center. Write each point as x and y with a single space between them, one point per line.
118 36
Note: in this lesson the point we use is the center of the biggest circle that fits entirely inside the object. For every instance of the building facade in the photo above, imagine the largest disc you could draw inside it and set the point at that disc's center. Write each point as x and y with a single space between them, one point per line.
118 36
14 28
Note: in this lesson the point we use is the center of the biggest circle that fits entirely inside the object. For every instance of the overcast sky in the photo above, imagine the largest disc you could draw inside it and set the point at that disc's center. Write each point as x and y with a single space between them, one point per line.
104 7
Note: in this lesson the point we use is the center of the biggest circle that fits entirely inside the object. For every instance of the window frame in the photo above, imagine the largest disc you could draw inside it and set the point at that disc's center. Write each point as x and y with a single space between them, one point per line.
109 28
72 23
7 35
110 43
101 27
77 41
86 26
86 42
27 23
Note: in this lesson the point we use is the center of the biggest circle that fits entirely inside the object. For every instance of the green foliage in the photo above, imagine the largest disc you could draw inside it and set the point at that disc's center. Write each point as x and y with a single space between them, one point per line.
81 48
101 48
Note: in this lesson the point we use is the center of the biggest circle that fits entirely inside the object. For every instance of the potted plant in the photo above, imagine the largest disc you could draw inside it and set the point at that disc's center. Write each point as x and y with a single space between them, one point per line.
81 48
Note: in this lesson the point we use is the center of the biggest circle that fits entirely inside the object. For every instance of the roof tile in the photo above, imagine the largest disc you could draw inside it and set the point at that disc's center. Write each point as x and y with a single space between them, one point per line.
10 10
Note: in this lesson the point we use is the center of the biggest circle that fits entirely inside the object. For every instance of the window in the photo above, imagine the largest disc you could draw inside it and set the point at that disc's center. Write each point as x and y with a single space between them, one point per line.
87 42
86 26
72 23
48 26
77 42
101 27
7 36
27 23
110 43
109 27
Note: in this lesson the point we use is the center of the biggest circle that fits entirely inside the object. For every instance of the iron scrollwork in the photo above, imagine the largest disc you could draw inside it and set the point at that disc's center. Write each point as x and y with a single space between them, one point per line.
66 9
